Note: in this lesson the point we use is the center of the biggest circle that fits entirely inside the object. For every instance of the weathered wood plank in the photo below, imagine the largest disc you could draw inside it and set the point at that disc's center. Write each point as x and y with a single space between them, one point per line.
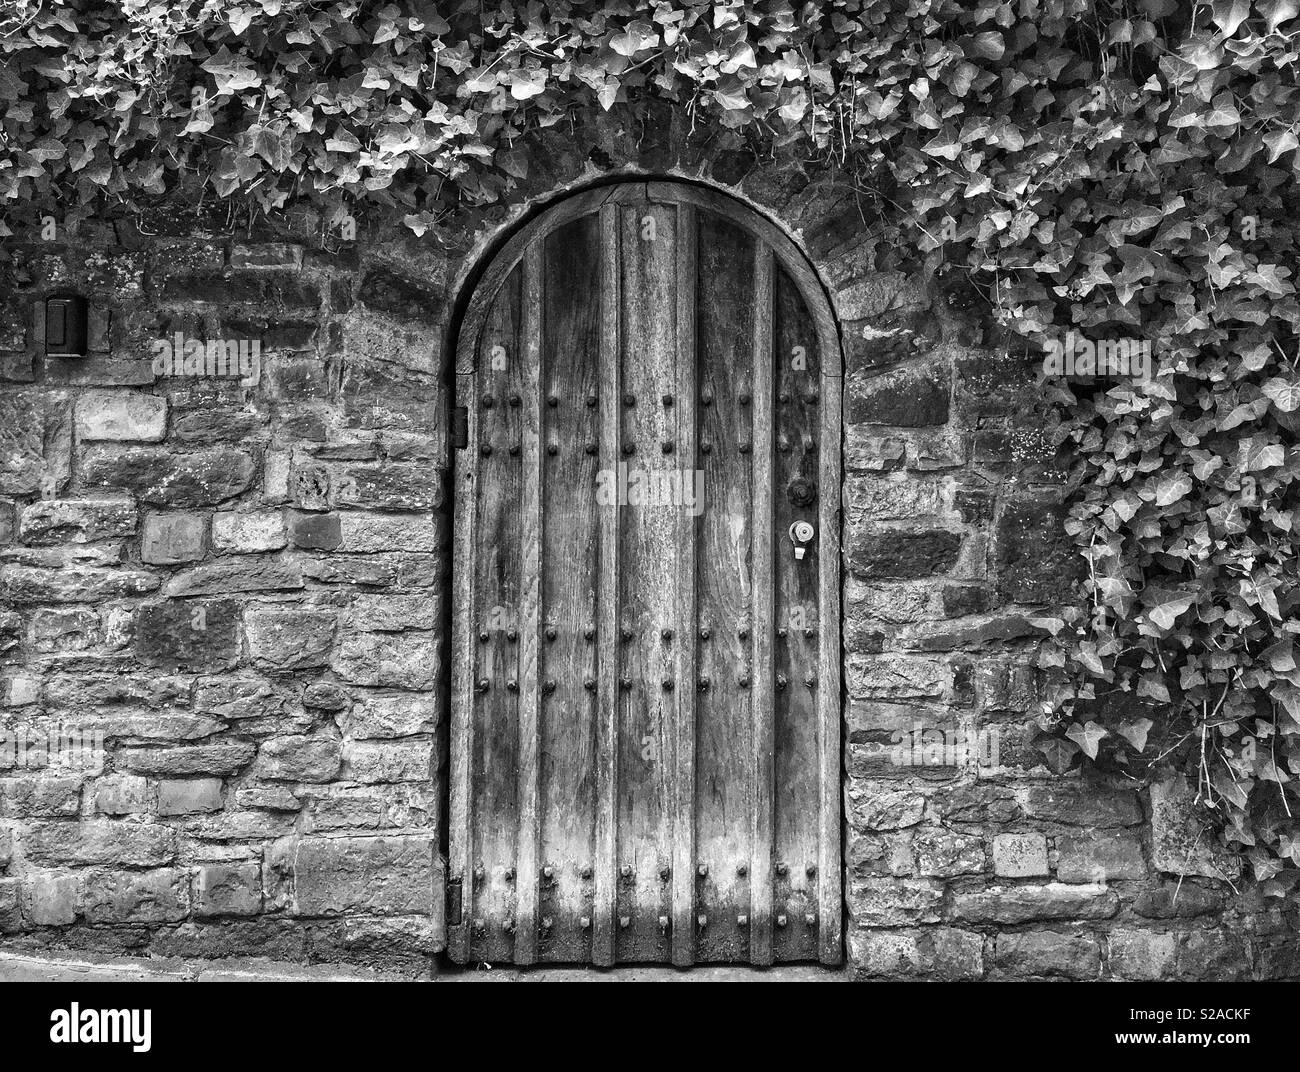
607 639
681 772
797 797
460 819
570 363
493 782
724 729
530 575
760 951
830 894
648 536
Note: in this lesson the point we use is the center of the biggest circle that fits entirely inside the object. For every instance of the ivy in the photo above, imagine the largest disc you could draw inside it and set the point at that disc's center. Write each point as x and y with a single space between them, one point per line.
1119 169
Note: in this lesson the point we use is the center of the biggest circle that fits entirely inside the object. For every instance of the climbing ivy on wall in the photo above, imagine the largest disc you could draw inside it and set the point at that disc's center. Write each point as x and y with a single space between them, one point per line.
1125 170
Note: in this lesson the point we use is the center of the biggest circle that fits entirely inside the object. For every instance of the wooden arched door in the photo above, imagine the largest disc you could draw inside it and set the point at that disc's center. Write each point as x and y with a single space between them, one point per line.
645 738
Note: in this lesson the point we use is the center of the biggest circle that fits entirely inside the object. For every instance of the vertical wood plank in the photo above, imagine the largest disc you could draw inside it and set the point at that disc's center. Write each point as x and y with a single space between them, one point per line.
460 840
830 909
530 574
682 771
761 629
649 543
723 719
570 367
494 762
797 798
606 876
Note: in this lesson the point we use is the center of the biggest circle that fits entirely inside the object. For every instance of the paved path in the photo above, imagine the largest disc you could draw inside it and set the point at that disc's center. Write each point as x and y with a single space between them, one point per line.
24 968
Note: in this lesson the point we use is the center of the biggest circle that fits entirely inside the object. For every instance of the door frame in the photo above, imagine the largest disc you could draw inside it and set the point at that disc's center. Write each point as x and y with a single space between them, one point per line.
477 291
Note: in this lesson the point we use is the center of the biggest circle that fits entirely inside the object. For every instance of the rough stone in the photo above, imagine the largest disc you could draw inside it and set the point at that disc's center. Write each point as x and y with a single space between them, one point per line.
894 902
39 795
1047 954
185 796
213 759
228 889
1036 561
53 899
152 897
1182 841
72 584
162 477
942 854
391 660
934 953
1020 855
376 875
905 398
121 416
393 613
122 794
382 716
101 842
1023 904
35 442
243 574
248 532
1080 805
897 677
373 762
56 521
289 638
1090 857
178 635
170 539
298 759
902 555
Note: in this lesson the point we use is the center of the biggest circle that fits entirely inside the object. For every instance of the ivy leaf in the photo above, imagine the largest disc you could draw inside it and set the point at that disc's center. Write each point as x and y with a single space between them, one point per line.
231 73
1164 607
1285 394
1087 737
1229 14
526 83
1135 731
1059 754
637 37
1171 488
1277 12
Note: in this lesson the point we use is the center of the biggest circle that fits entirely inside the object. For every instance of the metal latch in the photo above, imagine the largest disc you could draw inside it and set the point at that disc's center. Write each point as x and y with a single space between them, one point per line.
459 427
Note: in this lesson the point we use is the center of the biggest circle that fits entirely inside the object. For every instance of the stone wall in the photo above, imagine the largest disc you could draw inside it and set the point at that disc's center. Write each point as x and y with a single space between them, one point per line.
241 587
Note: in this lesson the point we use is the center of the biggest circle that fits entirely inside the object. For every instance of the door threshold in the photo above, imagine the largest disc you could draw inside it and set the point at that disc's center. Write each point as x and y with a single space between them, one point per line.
650 973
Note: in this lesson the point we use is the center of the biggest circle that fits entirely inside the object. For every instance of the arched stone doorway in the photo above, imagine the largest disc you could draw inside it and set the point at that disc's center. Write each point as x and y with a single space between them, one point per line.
646 701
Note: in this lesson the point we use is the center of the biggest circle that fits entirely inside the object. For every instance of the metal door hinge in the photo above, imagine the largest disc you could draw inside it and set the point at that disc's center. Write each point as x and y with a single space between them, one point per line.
459 427
455 907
